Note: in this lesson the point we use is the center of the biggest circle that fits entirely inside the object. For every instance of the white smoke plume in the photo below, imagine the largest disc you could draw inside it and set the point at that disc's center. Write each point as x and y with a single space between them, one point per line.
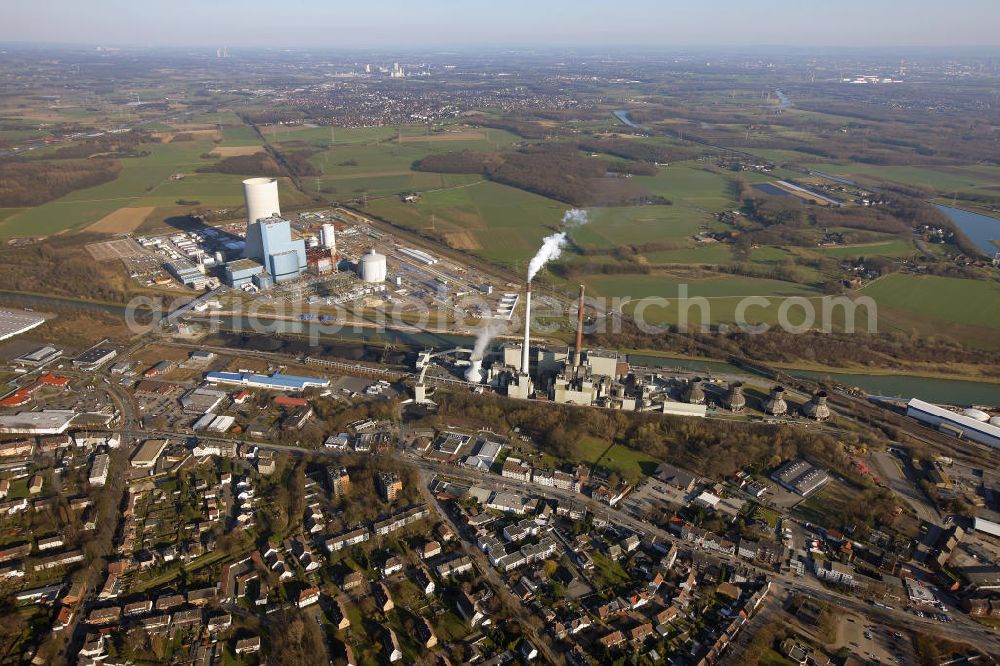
483 338
573 218
551 249
552 246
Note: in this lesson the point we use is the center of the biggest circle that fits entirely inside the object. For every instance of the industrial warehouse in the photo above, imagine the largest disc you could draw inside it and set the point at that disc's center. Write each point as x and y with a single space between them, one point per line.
973 424
15 323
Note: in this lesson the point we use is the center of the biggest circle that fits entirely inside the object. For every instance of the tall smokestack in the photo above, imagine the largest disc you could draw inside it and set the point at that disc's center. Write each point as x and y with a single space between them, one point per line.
579 331
526 350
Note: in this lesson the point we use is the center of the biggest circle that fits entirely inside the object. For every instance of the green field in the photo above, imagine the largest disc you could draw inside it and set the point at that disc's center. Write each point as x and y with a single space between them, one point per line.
507 223
615 226
713 253
723 295
632 465
691 184
942 179
239 135
970 302
641 286
377 163
894 248
143 181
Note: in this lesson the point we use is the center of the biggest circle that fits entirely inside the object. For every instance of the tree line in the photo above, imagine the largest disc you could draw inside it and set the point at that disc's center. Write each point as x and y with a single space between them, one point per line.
557 171
31 183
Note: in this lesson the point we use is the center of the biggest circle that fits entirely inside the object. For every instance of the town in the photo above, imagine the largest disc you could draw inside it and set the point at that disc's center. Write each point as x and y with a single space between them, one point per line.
186 502
562 334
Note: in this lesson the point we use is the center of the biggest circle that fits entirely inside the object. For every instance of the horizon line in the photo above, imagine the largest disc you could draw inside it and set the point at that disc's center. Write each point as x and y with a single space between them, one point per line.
546 46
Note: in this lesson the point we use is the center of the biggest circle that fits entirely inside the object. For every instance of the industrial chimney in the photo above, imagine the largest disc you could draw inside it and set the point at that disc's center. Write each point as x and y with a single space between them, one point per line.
526 350
578 355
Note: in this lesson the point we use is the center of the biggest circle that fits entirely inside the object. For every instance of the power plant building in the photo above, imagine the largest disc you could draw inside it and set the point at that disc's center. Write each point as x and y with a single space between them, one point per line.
269 242
244 271
949 422
187 273
270 255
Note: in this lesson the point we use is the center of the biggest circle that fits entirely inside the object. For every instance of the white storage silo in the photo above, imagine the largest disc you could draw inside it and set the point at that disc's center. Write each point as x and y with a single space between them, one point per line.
261 195
977 414
327 238
372 267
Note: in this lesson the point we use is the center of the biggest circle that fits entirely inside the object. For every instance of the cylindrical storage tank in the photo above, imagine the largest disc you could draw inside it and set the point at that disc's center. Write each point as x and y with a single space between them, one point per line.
261 196
327 238
372 267
977 414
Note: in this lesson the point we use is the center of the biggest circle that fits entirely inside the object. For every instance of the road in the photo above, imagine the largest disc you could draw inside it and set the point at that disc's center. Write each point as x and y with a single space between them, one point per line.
902 481
108 502
513 604
962 629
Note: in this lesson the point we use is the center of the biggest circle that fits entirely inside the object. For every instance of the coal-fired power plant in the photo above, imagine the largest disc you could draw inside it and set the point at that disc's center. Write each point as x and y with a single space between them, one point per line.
526 349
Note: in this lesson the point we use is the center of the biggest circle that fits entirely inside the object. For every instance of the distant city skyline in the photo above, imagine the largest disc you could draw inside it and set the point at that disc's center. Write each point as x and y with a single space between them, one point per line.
444 23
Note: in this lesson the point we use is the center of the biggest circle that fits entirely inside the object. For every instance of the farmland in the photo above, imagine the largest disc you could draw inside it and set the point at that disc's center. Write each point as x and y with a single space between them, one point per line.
945 180
949 299
143 182
484 210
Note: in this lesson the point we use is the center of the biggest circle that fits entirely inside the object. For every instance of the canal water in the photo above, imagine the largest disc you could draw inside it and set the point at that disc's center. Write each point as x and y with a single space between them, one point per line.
950 391
981 229
627 119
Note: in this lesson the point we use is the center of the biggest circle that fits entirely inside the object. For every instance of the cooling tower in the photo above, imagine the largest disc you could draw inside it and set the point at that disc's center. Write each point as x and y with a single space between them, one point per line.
261 195
475 372
695 394
817 408
775 404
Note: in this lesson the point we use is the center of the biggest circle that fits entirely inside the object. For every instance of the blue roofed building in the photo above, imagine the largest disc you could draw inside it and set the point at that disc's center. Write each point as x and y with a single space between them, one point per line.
275 382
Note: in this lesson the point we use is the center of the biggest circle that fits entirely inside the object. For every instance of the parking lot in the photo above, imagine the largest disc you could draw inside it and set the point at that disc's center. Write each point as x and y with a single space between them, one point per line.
653 495
873 641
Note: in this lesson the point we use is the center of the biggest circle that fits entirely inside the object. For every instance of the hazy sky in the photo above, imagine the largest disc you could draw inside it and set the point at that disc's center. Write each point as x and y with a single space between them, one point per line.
382 23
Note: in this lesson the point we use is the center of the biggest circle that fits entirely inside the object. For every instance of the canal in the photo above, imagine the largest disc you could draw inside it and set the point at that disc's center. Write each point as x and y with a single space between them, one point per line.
372 341
981 229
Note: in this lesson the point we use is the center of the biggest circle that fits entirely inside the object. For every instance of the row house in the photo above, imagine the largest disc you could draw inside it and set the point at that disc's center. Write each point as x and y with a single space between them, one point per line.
455 567
398 521
347 539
